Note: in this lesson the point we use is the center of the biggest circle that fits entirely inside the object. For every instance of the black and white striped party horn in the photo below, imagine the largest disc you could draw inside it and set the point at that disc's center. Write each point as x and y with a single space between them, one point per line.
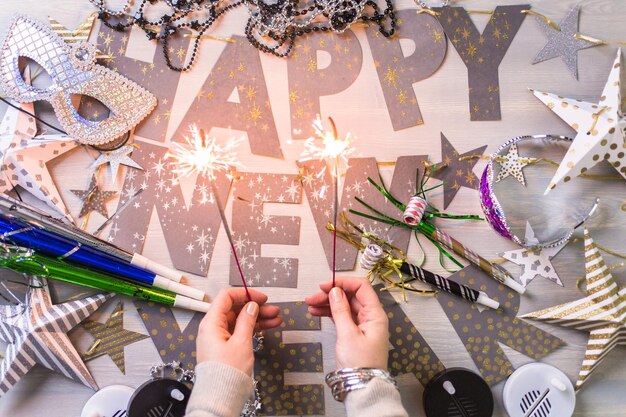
374 254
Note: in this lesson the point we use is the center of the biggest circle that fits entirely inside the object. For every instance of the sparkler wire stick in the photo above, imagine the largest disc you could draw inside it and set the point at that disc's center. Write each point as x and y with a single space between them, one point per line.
229 236
335 212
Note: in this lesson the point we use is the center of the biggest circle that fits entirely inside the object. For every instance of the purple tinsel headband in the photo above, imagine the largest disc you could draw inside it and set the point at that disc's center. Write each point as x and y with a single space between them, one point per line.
493 210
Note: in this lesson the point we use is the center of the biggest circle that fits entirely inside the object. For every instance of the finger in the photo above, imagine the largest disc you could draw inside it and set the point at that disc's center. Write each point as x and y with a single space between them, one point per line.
228 298
318 299
246 321
268 312
342 313
364 293
320 311
269 323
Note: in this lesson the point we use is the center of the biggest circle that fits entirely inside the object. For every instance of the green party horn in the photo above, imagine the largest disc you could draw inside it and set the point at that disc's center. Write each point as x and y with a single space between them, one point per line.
30 263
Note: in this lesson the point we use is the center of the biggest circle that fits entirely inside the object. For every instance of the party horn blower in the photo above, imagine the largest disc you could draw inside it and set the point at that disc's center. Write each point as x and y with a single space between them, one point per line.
23 234
32 215
494 270
416 217
374 256
34 264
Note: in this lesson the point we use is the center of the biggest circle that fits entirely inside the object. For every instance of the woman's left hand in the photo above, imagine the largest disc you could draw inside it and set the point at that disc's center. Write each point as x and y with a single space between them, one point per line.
225 333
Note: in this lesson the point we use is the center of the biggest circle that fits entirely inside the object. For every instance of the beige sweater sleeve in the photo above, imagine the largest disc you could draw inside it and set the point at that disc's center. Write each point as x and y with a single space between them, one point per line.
219 391
379 398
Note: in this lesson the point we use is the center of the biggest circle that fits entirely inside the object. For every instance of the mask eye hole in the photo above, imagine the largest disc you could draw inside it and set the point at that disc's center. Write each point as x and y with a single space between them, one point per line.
90 108
39 77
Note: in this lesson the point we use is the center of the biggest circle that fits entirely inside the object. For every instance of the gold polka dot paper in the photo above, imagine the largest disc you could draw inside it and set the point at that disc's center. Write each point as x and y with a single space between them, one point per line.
172 343
601 133
482 332
410 354
277 358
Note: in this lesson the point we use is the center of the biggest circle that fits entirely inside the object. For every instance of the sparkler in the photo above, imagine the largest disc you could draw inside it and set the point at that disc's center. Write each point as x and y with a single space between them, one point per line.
332 149
206 157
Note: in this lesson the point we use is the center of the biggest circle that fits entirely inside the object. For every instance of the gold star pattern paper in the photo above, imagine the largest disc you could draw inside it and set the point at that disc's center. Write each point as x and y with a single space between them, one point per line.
601 129
601 312
116 158
36 333
535 261
483 52
563 43
456 173
78 35
111 338
511 164
94 198
398 73
26 155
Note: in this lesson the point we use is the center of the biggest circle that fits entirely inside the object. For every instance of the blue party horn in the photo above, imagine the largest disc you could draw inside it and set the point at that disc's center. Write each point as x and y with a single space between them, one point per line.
51 244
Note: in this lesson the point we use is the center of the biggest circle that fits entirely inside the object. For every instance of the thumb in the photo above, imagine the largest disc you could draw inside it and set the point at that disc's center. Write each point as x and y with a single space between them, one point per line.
342 314
246 321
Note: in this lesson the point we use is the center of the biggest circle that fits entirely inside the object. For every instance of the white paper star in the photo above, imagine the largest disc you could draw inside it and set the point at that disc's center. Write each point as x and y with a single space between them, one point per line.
601 312
535 262
36 334
115 159
601 129
25 157
510 164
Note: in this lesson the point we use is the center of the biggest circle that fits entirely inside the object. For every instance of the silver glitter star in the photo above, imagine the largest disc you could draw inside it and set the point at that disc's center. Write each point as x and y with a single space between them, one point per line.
511 165
563 43
116 158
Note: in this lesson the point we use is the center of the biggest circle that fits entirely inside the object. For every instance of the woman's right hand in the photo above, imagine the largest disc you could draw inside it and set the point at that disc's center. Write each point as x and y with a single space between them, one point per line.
362 324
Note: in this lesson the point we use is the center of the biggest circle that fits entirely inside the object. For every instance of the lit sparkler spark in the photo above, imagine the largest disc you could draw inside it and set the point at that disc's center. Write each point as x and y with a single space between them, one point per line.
332 147
204 156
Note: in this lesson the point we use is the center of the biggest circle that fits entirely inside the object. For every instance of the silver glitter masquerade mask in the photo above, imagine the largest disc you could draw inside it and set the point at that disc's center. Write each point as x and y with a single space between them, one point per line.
73 71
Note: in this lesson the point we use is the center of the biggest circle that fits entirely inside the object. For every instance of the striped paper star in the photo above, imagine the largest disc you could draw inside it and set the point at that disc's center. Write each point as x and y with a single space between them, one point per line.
602 312
110 338
78 35
36 334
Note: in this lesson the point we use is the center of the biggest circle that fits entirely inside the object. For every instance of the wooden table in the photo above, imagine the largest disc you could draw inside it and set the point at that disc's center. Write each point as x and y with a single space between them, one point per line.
444 105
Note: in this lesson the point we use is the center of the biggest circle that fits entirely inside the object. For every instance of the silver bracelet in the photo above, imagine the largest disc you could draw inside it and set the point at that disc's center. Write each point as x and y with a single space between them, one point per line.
342 381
